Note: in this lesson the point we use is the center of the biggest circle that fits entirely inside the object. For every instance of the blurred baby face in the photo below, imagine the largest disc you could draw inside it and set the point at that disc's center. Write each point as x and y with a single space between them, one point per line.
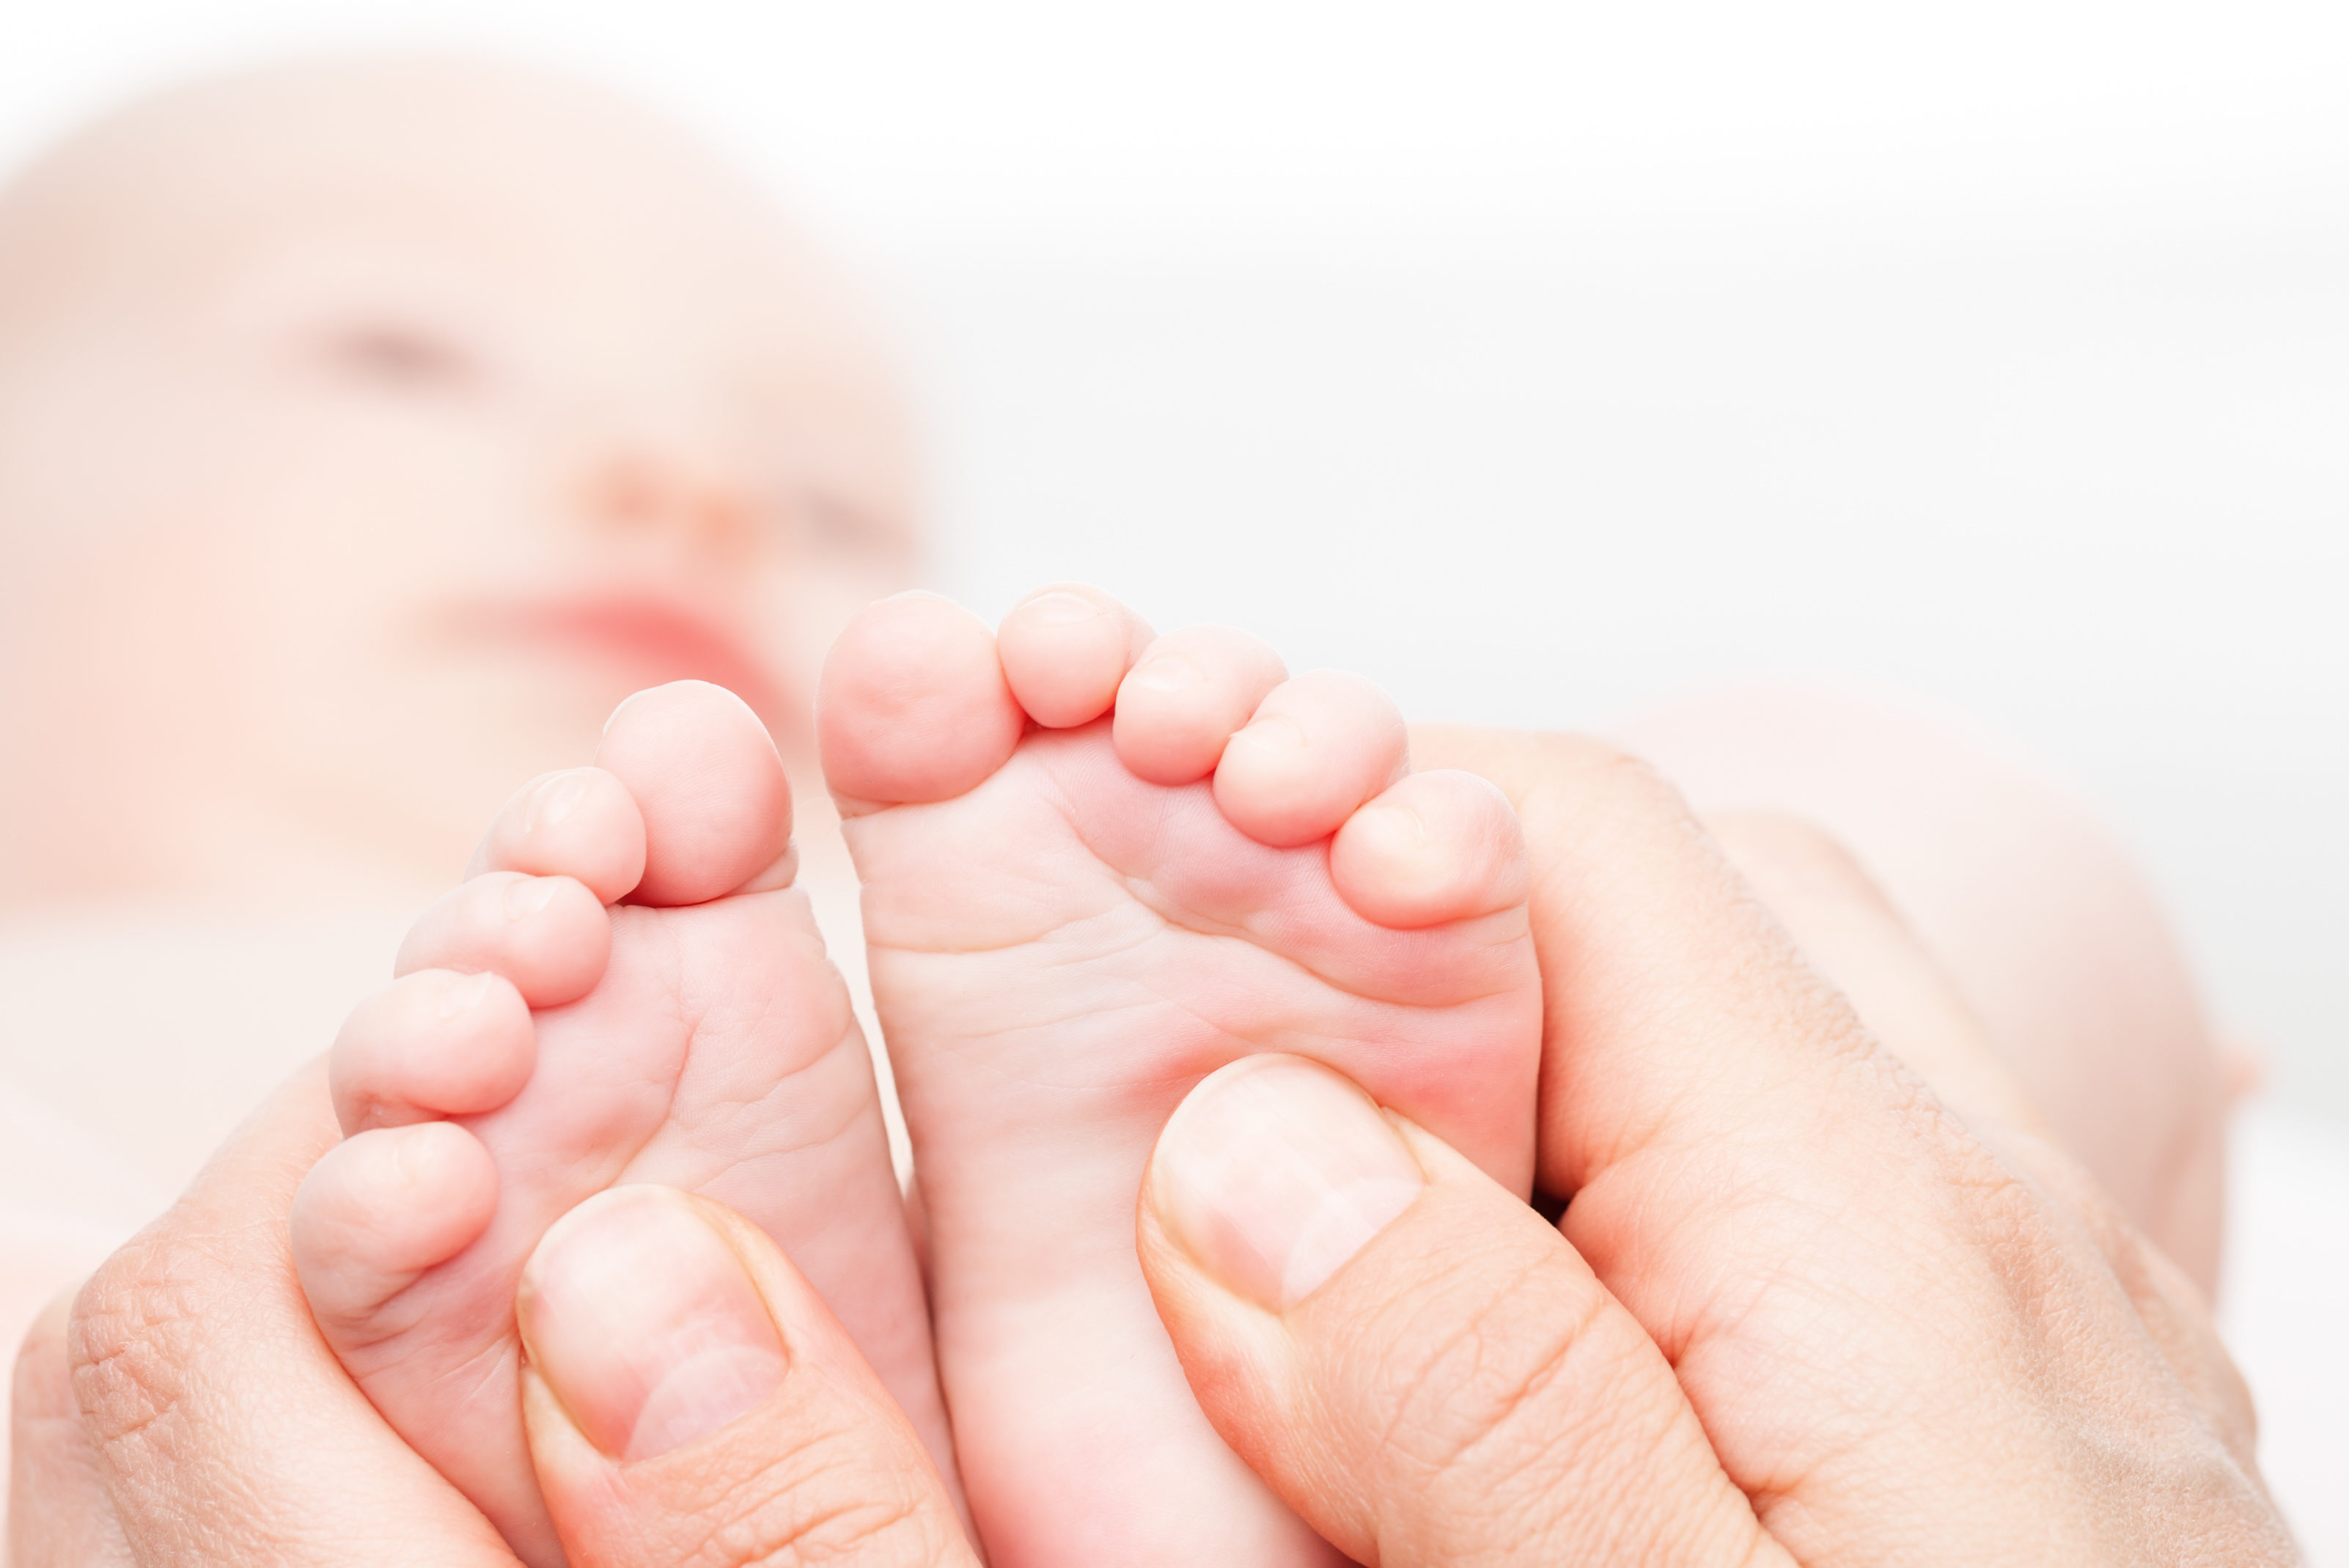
376 430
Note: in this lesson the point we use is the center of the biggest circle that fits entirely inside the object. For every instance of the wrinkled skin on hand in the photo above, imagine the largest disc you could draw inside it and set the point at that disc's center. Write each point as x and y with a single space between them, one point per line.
1798 1308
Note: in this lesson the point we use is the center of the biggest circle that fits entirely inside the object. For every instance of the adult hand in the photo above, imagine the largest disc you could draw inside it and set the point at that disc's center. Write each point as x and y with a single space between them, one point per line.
1795 1310
186 1411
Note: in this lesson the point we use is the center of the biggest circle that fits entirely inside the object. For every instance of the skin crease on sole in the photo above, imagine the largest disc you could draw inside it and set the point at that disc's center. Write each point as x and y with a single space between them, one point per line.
627 988
1097 866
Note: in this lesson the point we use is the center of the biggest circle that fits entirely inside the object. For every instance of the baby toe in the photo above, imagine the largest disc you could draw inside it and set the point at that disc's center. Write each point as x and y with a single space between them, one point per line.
1183 698
1315 748
1064 649
378 1211
549 935
703 773
913 704
580 823
1434 847
432 1044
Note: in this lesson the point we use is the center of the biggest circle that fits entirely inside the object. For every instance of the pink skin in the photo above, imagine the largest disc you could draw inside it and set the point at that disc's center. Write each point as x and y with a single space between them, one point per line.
368 430
2045 934
1097 867
627 988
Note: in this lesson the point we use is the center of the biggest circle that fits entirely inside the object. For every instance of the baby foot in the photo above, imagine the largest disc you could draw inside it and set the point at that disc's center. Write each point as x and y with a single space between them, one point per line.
539 1047
1096 868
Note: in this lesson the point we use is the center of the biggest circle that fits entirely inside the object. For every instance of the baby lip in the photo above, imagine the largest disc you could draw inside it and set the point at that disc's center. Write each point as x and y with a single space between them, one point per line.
662 638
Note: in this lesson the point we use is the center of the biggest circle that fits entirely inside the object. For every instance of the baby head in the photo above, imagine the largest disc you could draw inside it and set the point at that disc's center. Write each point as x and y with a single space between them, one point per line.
367 431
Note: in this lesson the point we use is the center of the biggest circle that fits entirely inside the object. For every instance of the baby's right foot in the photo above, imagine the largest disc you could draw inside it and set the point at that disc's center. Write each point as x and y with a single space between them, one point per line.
540 1047
1097 868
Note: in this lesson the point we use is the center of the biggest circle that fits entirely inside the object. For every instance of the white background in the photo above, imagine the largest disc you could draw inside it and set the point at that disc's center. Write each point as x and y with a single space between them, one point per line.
1541 360
1545 360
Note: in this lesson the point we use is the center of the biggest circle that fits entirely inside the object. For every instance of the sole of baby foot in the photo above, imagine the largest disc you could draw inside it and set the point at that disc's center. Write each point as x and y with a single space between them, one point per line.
1099 865
626 989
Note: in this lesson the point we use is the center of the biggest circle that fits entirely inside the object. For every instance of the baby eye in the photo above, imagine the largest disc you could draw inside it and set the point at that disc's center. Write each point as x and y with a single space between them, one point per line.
400 356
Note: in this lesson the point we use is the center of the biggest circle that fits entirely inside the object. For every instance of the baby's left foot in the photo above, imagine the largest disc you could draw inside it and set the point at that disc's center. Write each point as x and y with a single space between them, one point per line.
1096 871
540 1047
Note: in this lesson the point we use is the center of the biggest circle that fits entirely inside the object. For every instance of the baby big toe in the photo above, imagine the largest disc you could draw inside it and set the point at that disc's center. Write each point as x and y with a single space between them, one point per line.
703 773
1435 847
377 1211
912 706
687 803
1315 748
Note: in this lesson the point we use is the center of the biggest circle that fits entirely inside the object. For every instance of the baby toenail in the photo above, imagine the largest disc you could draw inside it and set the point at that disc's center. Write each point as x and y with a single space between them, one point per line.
464 994
1275 729
1396 829
556 799
1061 609
1167 672
526 896
1274 1172
414 1155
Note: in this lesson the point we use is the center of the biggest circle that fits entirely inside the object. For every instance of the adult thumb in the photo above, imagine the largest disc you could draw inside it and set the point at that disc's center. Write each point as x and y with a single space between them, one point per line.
690 1399
1417 1362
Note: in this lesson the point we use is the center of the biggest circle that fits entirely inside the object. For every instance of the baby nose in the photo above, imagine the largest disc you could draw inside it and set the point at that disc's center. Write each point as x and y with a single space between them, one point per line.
654 497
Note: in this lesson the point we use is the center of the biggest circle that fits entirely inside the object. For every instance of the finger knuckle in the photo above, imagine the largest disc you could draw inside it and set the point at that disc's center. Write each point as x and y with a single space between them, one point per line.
1612 772
128 1337
797 1532
1500 1406
825 1503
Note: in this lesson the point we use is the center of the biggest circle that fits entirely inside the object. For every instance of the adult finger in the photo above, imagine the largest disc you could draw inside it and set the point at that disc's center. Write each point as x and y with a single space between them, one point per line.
1417 1363
221 1426
1878 1314
1675 1006
1850 930
690 1398
58 1516
1846 925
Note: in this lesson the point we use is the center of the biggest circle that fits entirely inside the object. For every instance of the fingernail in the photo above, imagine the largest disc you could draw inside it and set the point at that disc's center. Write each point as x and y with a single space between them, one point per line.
1274 1172
465 993
555 799
525 896
643 1324
1062 609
